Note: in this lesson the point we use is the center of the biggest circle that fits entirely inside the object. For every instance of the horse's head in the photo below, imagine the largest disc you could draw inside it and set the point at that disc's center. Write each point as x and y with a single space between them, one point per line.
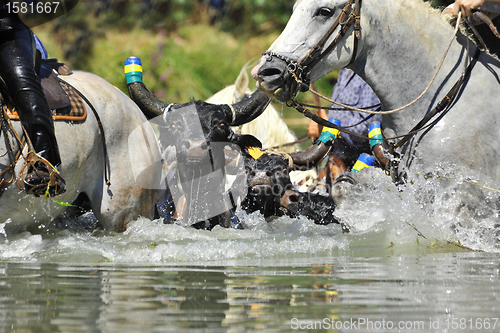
319 38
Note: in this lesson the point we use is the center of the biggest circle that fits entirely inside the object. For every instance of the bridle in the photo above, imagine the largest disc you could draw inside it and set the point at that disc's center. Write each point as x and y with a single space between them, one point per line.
301 70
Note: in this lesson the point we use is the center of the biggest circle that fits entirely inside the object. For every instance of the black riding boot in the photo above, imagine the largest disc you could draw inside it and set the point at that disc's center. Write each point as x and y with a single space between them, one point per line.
41 177
25 89
44 145
37 120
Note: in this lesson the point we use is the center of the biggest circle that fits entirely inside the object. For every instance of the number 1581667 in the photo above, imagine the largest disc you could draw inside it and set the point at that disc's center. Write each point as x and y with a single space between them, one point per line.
31 8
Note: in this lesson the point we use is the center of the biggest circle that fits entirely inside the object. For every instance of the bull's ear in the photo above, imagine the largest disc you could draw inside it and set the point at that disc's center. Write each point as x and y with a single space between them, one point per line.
246 140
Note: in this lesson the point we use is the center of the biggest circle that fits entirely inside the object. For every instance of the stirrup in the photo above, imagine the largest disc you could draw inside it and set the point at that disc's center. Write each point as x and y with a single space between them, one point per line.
39 177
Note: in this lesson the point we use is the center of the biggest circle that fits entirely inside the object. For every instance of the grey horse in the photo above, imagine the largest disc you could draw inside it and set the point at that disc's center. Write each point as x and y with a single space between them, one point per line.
396 46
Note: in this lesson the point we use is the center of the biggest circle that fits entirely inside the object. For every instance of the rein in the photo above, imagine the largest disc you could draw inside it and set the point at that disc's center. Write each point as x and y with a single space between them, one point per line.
5 128
404 106
443 106
107 171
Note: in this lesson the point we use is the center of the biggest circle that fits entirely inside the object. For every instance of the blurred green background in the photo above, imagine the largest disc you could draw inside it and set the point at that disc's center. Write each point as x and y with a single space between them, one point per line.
189 48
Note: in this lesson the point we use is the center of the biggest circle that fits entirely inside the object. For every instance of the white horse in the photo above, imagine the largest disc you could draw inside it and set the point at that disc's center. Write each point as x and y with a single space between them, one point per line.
269 127
400 46
132 153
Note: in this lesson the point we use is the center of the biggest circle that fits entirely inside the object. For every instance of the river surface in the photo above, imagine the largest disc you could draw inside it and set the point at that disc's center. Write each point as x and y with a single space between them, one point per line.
401 269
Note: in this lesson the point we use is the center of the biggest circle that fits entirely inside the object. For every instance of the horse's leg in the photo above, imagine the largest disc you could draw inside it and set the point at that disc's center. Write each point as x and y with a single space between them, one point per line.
133 189
132 161
119 204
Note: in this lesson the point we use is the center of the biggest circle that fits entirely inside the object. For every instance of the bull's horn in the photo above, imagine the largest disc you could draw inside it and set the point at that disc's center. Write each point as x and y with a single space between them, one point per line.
313 155
249 108
149 104
376 143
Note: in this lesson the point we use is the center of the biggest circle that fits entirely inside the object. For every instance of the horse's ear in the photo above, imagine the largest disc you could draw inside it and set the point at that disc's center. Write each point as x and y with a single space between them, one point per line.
241 86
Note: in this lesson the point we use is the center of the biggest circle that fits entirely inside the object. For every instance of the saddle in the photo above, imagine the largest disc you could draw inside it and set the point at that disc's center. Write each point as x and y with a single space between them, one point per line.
63 100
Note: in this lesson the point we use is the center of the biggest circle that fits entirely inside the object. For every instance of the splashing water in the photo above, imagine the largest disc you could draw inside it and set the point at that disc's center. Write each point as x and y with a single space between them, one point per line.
381 217
402 260
3 234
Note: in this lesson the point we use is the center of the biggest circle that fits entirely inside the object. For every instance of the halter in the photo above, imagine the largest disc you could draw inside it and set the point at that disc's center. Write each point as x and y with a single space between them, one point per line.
301 70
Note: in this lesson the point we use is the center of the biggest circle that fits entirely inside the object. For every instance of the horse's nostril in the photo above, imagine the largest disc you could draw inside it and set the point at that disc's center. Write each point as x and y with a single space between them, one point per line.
270 71
186 145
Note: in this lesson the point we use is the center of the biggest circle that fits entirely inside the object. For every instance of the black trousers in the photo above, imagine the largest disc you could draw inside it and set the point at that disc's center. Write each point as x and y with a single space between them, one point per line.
17 69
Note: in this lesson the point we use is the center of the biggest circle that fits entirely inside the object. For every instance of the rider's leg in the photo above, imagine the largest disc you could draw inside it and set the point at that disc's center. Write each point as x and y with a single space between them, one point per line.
18 72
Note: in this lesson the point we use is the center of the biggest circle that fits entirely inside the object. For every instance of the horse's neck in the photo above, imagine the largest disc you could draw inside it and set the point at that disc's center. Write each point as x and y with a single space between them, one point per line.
403 43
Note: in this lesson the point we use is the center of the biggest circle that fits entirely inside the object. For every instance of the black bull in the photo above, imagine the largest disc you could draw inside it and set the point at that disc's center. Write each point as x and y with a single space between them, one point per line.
199 174
271 191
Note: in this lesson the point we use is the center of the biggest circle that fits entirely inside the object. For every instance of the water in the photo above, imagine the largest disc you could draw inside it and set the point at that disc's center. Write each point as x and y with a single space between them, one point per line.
401 267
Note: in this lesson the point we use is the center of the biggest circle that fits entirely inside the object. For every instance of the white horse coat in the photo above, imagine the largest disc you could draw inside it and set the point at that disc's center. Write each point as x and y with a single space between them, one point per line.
132 153
402 42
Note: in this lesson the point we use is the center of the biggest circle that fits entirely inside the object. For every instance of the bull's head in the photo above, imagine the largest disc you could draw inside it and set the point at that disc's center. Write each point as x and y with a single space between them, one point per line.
268 179
199 131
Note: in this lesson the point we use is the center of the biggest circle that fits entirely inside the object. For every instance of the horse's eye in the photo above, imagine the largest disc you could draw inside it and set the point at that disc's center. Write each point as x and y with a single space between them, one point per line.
325 12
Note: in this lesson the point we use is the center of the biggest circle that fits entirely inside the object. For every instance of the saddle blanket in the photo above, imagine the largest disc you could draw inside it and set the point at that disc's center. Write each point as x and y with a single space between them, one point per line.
76 111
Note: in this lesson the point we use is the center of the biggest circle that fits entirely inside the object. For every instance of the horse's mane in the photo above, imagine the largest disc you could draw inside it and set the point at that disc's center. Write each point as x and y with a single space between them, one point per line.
418 9
421 4
409 3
